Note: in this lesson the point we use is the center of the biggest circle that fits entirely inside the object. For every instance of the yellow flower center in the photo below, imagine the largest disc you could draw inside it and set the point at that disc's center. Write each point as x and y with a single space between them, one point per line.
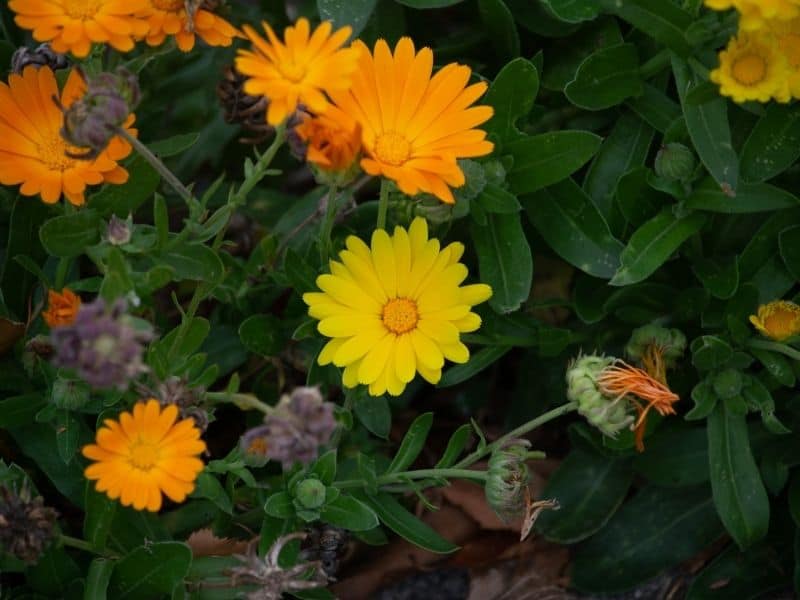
781 323
400 315
144 456
749 69
392 148
168 5
790 45
82 9
53 153
293 72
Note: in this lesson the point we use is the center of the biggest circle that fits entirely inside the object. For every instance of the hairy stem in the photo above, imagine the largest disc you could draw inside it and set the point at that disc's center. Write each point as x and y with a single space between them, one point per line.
383 204
327 225
776 347
243 401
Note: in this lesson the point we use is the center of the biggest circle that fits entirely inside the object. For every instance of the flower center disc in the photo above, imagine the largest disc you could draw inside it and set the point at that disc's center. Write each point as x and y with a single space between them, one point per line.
400 315
292 72
750 69
392 148
53 153
780 323
82 9
144 456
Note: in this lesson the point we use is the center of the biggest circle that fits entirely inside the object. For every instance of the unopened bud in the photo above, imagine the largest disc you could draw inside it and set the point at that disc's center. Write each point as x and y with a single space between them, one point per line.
508 478
310 493
675 162
118 232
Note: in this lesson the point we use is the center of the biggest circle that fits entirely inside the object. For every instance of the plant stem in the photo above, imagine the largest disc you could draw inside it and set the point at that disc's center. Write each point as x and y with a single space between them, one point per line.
383 204
418 474
79 544
776 347
656 64
61 272
159 166
260 168
243 401
327 225
518 432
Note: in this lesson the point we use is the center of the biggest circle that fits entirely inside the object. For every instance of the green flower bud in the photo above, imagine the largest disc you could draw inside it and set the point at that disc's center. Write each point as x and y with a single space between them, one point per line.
675 162
672 343
310 493
609 415
508 477
727 384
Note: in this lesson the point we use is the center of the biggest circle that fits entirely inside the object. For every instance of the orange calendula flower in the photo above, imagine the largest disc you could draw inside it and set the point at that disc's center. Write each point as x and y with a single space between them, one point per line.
73 25
32 151
301 69
170 17
415 126
333 140
622 381
144 454
61 308
778 320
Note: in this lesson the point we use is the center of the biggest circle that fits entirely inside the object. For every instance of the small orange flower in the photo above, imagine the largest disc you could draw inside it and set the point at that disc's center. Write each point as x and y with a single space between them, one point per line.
61 308
621 380
170 17
778 320
333 138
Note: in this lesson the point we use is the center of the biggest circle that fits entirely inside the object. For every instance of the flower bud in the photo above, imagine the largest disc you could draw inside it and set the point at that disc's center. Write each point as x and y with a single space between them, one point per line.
310 493
609 415
118 232
727 383
675 162
42 56
671 342
508 478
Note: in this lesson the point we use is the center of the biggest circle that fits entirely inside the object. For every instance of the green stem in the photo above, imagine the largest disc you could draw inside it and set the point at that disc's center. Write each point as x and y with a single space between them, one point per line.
243 401
183 329
61 272
516 433
79 544
260 168
327 225
656 64
383 204
159 166
775 347
418 474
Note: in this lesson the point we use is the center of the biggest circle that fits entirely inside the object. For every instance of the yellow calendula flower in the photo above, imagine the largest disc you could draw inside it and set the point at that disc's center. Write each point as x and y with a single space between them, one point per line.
752 67
144 454
32 151
170 17
73 25
787 36
395 309
778 320
414 125
302 69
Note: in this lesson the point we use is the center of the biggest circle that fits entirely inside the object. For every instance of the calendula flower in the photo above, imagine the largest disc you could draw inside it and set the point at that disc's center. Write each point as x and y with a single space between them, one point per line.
657 348
622 381
332 143
754 14
73 25
145 454
62 308
752 67
778 320
787 36
301 69
414 126
171 17
395 309
32 150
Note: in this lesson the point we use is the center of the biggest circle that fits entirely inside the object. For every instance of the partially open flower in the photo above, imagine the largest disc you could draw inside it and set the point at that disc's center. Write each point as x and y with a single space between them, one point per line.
609 415
508 478
26 524
657 348
333 145
62 308
778 320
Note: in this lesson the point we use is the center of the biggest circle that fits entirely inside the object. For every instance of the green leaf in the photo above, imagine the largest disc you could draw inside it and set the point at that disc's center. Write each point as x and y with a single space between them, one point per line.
739 493
719 276
412 444
494 199
589 489
23 239
208 486
573 11
53 573
710 352
776 365
504 259
478 361
655 108
675 457
500 27
757 395
350 514
17 411
423 4
100 510
98 578
194 261
709 129
773 145
279 505
789 246
374 414
262 335
354 13
70 235
512 95
656 530
67 434
150 570
455 446
572 226
545 159
653 243
325 467
749 198
125 199
606 78
406 525
705 399
663 21
174 145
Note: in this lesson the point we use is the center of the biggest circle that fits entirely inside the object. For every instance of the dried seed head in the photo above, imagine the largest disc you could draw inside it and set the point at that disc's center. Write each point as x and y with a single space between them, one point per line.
42 56
26 524
508 478
239 107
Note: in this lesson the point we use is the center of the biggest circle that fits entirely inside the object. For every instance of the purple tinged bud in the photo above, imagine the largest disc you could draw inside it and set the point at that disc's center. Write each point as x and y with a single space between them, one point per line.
118 232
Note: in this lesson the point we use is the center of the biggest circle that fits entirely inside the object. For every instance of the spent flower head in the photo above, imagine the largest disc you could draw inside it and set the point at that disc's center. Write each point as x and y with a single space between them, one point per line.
507 479
41 56
27 526
62 308
118 231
